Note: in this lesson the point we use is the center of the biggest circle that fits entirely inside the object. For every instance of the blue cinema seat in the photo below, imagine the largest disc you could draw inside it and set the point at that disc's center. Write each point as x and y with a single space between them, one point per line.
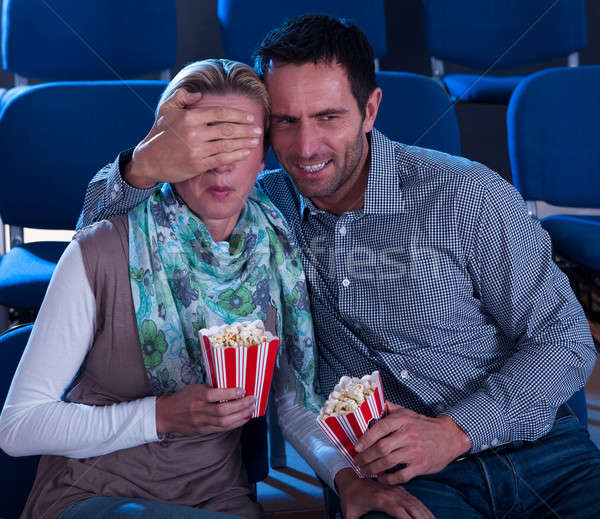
416 110
495 36
553 133
17 474
53 137
71 40
244 24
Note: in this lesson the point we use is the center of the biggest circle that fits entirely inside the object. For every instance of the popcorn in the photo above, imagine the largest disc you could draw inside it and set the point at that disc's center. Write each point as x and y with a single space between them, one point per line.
239 335
348 395
352 405
240 355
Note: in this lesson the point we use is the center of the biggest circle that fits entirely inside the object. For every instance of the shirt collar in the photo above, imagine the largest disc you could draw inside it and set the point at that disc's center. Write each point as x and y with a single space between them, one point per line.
383 194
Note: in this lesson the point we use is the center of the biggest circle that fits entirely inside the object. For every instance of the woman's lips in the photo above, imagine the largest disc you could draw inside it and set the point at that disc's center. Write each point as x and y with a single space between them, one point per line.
220 192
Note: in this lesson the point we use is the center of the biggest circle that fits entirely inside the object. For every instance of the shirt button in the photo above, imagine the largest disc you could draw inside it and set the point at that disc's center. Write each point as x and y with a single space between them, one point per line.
439 408
404 374
343 230
345 282
116 188
495 442
484 446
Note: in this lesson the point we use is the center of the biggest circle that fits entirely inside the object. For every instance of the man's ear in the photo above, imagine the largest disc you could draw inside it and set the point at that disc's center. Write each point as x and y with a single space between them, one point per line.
371 109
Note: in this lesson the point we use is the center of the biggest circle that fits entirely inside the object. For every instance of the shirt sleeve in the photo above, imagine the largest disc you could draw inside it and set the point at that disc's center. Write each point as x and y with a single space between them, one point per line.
108 194
526 295
35 420
299 427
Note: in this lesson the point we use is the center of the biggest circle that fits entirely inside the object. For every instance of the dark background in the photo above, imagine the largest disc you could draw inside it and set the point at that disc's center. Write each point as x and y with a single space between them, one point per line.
482 126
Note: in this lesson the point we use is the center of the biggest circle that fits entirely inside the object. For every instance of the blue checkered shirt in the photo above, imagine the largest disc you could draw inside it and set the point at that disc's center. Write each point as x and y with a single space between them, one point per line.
442 282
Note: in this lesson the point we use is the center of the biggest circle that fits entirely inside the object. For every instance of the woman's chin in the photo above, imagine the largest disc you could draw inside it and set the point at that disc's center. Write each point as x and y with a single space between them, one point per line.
212 213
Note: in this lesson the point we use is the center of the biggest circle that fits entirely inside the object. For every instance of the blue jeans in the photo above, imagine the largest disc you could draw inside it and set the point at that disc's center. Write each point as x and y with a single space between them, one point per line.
557 476
128 508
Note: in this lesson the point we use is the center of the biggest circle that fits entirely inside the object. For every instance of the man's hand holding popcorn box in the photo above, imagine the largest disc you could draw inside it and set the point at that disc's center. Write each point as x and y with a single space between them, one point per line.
352 405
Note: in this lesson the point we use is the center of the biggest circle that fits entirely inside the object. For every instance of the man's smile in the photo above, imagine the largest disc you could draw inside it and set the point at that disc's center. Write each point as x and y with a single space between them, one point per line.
314 168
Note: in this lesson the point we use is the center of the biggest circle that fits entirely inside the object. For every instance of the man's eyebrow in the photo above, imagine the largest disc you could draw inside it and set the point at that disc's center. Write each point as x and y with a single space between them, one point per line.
321 113
330 111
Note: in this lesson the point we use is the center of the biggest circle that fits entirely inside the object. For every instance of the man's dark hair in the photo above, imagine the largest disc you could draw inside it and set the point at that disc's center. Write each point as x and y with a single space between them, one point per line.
318 38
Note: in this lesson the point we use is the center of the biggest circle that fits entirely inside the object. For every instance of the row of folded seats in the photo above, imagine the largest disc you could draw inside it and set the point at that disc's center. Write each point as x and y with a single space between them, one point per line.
55 135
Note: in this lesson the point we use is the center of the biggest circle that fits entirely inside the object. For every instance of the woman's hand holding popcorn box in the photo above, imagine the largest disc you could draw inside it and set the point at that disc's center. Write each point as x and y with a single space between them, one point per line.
241 355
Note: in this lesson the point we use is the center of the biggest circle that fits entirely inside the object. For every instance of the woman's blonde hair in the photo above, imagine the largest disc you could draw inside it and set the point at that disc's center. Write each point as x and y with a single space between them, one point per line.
220 76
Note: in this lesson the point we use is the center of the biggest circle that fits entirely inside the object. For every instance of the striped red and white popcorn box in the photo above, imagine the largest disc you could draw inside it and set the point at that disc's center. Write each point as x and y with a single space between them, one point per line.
249 367
344 431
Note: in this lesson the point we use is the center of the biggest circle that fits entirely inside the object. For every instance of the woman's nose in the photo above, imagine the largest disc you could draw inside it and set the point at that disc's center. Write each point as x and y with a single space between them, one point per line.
226 168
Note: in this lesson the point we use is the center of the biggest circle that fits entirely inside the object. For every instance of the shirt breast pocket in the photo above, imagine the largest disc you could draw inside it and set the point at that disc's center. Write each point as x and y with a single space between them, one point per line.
419 285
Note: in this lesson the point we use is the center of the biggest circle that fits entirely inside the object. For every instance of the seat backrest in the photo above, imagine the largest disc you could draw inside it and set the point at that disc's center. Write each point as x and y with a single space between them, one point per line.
244 24
82 40
53 136
515 33
416 110
255 449
578 405
16 474
553 124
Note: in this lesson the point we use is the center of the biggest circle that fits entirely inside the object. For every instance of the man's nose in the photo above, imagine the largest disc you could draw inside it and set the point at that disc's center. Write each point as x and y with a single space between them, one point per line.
307 142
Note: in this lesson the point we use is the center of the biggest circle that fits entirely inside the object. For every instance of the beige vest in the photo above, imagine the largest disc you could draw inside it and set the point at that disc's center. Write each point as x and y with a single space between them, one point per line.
205 471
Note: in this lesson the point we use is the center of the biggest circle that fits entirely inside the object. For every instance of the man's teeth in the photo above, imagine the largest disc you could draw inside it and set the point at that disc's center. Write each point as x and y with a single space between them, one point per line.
314 167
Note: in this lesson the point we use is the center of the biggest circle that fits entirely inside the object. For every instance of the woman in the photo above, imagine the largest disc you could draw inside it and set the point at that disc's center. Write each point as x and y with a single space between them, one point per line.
111 385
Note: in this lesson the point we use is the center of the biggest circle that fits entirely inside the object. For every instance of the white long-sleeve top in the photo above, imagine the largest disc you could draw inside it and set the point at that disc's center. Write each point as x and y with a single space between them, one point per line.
35 419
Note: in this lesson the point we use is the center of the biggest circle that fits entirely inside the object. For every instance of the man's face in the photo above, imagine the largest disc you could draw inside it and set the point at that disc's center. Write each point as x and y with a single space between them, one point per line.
317 130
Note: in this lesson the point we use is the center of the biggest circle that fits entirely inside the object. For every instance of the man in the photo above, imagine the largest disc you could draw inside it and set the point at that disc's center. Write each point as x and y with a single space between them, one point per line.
421 265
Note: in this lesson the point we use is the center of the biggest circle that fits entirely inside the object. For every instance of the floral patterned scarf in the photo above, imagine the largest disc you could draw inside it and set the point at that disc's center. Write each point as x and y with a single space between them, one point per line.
182 281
